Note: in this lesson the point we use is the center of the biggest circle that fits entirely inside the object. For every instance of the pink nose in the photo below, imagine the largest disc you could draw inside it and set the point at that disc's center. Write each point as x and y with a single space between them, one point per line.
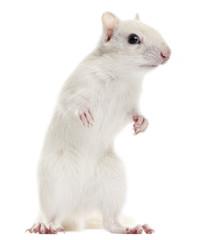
165 54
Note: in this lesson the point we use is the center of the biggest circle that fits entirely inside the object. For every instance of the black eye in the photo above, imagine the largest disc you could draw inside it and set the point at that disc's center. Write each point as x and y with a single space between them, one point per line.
133 39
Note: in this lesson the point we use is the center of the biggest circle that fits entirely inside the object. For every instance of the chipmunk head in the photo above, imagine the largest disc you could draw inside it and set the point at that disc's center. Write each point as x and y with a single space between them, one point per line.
136 44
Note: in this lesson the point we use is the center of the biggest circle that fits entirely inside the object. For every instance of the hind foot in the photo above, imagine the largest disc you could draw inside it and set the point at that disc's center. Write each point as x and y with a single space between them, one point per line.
147 229
139 229
42 228
135 230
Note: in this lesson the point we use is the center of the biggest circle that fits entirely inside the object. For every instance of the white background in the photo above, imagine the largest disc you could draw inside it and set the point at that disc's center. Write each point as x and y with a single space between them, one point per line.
172 168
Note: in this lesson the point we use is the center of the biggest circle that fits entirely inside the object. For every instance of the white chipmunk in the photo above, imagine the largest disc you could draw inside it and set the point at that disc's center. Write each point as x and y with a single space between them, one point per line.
79 172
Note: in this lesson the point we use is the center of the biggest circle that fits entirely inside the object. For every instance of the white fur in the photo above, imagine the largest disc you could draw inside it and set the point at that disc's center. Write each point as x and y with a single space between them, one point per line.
79 171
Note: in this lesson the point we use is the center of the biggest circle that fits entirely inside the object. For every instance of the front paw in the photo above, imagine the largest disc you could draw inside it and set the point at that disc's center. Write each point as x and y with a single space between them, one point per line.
86 117
140 124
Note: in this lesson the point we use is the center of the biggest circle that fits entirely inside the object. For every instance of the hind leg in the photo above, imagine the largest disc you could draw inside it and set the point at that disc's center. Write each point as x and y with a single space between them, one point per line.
112 191
55 196
112 187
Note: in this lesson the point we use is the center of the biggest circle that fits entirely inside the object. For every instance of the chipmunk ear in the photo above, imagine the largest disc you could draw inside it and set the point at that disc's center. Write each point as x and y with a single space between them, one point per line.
110 21
137 17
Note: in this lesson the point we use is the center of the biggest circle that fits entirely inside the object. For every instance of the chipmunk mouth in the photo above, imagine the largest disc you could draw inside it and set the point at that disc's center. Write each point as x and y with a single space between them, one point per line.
149 65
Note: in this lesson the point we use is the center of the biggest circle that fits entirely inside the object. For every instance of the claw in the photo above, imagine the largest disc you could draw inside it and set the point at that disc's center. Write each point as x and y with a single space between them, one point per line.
135 230
41 228
86 118
147 229
140 124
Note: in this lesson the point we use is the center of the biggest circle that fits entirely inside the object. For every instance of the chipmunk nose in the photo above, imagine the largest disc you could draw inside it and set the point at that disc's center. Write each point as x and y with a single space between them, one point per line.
165 54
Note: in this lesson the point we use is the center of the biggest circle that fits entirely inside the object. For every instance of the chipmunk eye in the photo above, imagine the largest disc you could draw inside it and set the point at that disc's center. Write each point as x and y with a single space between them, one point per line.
133 39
